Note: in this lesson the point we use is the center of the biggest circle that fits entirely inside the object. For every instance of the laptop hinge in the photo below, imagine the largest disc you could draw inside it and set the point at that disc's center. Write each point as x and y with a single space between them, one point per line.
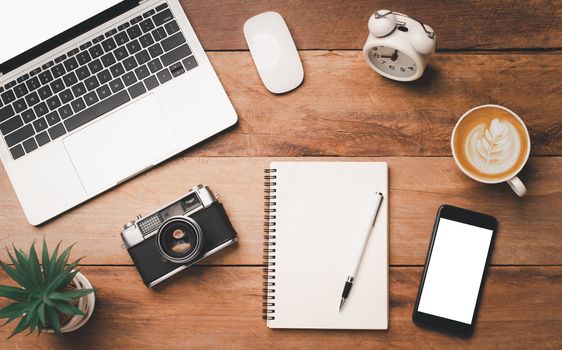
142 2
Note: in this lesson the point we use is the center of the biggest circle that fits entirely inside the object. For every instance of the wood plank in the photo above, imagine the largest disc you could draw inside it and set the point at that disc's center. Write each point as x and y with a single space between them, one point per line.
529 227
329 24
218 307
345 109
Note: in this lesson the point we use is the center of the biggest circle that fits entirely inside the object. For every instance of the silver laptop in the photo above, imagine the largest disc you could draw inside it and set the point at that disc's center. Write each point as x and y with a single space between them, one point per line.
94 92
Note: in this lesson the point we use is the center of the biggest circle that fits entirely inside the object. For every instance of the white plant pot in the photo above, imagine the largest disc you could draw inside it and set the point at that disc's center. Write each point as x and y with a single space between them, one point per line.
85 303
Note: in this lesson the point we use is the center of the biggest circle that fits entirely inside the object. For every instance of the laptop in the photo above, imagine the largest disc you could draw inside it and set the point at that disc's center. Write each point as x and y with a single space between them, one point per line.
93 93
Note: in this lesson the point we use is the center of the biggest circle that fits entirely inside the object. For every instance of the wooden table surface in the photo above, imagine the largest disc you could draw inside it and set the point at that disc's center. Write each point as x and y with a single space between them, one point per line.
506 52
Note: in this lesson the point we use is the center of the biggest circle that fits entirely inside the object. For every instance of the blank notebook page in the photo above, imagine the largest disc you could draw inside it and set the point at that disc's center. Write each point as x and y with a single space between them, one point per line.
322 209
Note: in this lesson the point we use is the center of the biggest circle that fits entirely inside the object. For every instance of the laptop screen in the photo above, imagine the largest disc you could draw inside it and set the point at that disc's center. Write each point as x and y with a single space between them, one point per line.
26 24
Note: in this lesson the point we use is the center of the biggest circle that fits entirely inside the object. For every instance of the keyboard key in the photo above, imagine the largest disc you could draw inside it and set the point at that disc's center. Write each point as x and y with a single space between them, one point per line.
151 82
40 124
53 117
66 96
29 145
70 64
130 63
136 19
171 27
83 57
109 44
117 69
155 50
91 83
58 70
103 91
8 97
142 57
54 102
20 105
146 25
11 125
116 85
99 109
172 42
64 112
70 79
19 135
45 77
129 78
28 116
6 113
124 26
23 78
32 99
45 92
146 40
177 69
162 17
85 45
57 86
95 66
162 6
72 52
20 90
57 131
82 72
142 72
41 109
17 152
159 33
108 60
154 65
60 58
148 13
134 47
33 84
91 98
98 39
96 51
175 55
137 90
121 38
33 72
13 83
78 105
104 76
42 138
164 75
134 32
79 89
111 33
47 65
121 53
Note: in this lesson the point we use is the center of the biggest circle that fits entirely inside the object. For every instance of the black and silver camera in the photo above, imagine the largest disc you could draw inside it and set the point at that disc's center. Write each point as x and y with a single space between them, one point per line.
178 235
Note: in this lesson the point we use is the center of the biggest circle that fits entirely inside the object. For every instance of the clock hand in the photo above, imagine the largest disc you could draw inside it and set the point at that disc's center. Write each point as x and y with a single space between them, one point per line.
394 56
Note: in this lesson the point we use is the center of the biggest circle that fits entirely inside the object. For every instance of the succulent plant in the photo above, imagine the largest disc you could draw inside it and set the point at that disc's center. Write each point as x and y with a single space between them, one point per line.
44 294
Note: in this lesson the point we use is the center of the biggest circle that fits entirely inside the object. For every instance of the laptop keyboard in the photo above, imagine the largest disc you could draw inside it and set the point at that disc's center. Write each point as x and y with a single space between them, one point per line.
92 79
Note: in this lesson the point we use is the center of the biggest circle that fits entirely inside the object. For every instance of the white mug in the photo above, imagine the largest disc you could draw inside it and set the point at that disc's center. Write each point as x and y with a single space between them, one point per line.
512 180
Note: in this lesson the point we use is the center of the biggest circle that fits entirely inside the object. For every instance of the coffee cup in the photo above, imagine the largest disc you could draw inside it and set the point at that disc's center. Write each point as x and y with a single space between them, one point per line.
491 145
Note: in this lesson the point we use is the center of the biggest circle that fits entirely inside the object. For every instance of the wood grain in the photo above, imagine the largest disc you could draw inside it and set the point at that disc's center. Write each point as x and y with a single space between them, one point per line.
328 24
220 307
529 227
344 108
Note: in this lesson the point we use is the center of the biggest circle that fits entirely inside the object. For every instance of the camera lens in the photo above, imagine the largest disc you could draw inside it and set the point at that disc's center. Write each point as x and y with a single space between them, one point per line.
180 240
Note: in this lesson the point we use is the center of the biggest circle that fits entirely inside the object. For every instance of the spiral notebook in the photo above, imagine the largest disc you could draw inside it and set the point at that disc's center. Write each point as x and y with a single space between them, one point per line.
313 212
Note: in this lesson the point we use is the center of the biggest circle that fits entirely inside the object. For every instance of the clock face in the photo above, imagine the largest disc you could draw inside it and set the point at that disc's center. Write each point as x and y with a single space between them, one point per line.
392 61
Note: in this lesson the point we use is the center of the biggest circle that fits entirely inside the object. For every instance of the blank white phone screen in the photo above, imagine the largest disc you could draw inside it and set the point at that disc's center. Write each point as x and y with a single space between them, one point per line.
454 271
25 24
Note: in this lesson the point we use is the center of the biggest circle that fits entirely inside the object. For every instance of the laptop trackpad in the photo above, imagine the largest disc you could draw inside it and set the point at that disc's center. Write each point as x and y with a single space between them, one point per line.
121 145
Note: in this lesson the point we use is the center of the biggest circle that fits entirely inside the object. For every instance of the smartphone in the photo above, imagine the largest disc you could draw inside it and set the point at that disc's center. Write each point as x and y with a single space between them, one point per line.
455 269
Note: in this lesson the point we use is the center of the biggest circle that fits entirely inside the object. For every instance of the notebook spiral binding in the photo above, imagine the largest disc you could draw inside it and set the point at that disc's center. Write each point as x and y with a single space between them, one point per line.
269 244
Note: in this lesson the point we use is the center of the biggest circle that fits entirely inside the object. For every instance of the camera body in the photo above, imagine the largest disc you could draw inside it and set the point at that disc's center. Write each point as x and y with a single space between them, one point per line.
178 235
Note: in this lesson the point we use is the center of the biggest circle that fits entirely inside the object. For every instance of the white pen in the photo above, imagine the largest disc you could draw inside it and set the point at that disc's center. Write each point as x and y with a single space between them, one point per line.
361 249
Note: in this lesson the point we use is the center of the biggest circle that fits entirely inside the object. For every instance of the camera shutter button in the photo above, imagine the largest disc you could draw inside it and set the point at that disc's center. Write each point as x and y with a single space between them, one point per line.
129 224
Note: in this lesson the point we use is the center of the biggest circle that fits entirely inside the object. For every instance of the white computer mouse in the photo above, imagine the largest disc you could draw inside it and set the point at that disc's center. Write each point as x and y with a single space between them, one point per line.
274 52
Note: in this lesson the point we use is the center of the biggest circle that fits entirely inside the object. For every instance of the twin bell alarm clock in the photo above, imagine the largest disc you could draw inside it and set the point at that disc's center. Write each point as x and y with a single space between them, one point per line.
398 46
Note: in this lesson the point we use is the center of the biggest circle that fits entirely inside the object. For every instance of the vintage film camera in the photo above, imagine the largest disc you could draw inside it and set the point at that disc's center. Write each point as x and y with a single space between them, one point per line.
178 235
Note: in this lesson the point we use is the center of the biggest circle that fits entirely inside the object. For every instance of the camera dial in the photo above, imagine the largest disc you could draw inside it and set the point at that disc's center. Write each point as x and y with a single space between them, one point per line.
180 240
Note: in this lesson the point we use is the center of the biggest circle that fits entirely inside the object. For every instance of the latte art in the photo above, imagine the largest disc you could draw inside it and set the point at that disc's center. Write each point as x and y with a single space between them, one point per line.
493 148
